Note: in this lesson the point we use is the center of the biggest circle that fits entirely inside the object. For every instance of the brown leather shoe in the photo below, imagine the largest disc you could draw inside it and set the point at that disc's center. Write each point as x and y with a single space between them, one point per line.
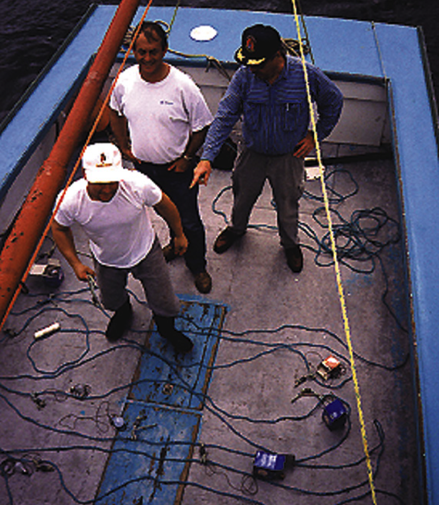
203 282
294 258
225 240
169 252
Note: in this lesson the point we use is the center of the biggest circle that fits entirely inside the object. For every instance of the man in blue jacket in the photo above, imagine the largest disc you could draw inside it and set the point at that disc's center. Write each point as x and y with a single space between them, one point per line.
269 93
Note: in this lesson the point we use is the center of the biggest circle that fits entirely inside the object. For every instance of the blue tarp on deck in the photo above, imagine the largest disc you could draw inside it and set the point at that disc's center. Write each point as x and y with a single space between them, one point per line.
163 412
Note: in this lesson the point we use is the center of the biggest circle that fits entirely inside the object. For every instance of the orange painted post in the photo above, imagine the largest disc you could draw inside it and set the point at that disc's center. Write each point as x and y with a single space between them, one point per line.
32 218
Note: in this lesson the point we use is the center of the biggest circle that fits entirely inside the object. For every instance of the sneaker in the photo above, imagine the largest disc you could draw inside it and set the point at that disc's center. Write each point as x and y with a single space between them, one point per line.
169 252
225 240
203 282
120 322
294 258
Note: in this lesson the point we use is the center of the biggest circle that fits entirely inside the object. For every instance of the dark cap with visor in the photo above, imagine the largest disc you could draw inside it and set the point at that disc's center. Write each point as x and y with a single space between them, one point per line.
259 43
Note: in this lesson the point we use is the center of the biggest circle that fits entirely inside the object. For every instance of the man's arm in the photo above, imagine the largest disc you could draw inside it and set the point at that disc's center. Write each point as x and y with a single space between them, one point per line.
329 100
195 142
119 126
229 111
168 211
65 242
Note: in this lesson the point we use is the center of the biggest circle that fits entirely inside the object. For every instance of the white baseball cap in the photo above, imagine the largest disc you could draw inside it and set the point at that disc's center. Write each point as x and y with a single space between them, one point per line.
102 163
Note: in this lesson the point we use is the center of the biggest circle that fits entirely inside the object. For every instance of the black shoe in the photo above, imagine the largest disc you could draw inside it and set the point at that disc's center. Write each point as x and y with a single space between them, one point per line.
166 328
225 240
294 258
120 322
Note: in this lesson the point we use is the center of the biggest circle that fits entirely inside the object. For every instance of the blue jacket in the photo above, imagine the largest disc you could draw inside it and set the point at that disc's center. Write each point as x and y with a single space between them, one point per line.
275 117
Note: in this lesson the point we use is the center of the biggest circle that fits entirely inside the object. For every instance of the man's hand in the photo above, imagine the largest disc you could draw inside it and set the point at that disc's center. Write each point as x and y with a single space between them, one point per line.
82 271
180 245
180 165
202 173
128 154
168 211
305 146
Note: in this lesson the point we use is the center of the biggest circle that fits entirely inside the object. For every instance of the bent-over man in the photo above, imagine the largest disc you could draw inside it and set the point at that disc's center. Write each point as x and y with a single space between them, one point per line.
111 205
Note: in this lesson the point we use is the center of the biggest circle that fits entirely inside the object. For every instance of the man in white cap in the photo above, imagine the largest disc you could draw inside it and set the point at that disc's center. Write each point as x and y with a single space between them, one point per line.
110 204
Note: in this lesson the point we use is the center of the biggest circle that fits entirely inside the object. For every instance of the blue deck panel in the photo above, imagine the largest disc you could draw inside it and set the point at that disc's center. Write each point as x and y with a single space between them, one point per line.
187 375
343 46
228 38
158 455
351 44
169 392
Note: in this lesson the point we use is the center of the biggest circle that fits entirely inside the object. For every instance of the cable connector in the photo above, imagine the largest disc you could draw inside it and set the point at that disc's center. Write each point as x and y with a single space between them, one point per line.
48 330
303 379
42 466
136 425
39 402
305 392
93 287
80 391
203 454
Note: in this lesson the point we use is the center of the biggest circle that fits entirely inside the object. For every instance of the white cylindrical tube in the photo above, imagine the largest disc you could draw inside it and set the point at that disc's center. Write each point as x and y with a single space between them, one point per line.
47 331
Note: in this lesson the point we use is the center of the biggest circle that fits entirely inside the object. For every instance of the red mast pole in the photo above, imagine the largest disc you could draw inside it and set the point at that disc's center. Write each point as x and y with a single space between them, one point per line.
31 220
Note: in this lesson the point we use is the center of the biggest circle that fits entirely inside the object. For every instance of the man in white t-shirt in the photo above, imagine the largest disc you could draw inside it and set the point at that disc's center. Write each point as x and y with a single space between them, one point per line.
160 119
111 206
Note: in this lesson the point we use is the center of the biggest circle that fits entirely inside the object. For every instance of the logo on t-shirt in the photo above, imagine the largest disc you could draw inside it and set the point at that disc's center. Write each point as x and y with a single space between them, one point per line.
166 102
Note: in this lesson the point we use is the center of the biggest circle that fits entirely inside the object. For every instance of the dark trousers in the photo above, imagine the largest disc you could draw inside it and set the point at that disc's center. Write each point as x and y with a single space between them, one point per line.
286 175
176 186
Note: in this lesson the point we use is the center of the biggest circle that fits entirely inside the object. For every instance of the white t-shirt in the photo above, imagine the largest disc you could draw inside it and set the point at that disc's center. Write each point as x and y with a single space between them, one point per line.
161 115
120 231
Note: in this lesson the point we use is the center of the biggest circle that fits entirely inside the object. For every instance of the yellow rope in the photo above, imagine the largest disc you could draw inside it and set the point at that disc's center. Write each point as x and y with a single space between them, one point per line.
337 269
174 15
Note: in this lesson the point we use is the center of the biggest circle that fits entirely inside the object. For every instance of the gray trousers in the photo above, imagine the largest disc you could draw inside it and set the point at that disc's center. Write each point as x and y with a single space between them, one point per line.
286 175
152 272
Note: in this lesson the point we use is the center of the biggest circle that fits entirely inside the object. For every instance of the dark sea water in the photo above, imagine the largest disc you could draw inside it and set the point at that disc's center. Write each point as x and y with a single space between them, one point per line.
32 30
